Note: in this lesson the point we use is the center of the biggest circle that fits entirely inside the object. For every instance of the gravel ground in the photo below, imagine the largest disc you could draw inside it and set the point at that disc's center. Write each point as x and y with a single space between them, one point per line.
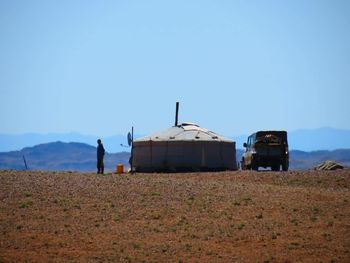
243 216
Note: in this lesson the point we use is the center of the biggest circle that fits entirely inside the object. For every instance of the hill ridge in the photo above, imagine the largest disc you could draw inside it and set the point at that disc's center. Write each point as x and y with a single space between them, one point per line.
82 157
60 156
323 138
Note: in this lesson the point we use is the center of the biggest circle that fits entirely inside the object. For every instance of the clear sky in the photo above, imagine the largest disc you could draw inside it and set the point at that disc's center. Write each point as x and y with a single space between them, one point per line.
99 67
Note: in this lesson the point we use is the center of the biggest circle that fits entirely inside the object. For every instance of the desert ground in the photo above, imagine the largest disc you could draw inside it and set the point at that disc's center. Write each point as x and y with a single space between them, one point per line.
241 216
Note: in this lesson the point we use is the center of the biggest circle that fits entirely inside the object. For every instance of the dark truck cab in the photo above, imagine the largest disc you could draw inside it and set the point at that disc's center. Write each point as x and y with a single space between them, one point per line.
266 149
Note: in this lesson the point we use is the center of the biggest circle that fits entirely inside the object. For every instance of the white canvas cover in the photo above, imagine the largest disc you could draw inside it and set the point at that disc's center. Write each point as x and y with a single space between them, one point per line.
185 132
186 147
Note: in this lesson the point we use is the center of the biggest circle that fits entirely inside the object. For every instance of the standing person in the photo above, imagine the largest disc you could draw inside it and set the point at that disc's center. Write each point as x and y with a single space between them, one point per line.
100 155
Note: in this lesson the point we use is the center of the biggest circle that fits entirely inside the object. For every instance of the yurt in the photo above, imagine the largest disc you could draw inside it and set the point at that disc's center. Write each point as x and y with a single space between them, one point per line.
184 147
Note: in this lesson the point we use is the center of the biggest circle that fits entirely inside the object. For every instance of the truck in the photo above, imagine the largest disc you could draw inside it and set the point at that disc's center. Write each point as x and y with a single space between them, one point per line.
266 149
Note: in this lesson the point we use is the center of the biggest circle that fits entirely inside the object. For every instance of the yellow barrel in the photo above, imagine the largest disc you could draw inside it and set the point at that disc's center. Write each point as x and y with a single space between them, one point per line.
120 168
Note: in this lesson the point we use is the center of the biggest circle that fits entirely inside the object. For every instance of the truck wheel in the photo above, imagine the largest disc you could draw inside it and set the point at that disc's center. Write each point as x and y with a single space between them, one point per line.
275 168
285 165
243 167
254 165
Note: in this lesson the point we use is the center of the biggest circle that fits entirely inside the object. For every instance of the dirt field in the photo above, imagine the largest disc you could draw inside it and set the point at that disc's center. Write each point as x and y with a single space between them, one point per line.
195 217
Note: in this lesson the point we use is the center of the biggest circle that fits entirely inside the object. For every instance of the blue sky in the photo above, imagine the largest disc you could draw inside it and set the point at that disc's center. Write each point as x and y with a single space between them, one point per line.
99 67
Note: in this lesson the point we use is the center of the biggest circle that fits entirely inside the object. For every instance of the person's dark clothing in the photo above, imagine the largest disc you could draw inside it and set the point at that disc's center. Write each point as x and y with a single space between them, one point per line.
100 166
100 155
100 151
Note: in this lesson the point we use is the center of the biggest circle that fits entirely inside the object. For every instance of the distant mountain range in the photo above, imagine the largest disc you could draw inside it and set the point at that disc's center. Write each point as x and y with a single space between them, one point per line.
303 140
15 142
58 156
311 140
300 160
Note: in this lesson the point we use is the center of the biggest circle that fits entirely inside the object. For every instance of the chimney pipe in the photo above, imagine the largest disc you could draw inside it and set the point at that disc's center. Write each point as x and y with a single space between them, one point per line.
176 113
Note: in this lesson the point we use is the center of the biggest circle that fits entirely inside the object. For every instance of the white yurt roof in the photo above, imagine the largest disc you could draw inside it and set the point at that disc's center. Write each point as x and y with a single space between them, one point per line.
186 131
